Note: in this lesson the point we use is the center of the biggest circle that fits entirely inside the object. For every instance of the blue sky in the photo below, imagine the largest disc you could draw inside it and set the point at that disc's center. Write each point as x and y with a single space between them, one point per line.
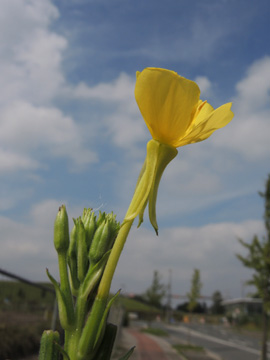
71 131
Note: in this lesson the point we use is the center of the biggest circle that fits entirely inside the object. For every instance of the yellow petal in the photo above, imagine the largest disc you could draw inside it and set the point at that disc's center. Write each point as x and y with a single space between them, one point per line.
203 111
167 102
207 122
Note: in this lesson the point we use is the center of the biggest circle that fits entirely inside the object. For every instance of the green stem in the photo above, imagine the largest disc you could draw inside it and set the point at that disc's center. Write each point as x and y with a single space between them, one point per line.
65 288
88 337
105 284
80 315
64 280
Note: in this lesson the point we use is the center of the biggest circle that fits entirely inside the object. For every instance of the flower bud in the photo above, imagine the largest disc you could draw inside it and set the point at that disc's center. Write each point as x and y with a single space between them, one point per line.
104 238
82 258
61 231
89 222
99 243
72 260
48 345
114 228
101 218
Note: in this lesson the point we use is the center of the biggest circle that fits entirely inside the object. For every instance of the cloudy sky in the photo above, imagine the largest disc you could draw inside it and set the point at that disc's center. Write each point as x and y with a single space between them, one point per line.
71 132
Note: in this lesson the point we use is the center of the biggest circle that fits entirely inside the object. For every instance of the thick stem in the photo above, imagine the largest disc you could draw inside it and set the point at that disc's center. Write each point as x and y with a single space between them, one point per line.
63 272
88 338
105 284
80 316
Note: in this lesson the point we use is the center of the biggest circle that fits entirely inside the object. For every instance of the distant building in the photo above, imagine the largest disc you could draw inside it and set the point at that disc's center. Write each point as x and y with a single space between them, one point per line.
243 306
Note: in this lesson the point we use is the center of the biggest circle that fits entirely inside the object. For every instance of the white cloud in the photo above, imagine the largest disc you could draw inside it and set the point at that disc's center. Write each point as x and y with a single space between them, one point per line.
125 131
43 131
33 129
27 249
123 122
248 133
10 162
30 53
205 86
120 90
210 248
254 89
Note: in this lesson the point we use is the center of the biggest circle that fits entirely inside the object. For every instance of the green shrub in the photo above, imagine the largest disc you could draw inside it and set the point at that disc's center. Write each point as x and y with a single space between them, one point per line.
16 342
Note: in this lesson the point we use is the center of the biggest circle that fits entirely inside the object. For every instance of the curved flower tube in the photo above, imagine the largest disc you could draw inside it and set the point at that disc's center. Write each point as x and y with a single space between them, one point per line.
175 116
158 157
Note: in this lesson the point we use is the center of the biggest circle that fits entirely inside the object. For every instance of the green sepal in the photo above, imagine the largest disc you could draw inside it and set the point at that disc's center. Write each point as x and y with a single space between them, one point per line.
48 345
93 276
141 213
166 154
128 354
144 183
158 157
66 314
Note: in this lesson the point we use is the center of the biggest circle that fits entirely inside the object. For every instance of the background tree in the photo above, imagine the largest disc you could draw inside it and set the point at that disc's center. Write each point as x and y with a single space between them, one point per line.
156 292
199 309
258 259
195 290
217 307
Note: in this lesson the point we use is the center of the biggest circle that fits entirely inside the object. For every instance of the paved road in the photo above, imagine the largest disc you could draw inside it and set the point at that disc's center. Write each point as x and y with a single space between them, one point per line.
227 344
147 348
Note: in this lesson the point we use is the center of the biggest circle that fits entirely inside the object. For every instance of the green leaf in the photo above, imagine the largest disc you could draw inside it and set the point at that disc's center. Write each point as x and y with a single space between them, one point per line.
105 350
102 325
128 354
93 276
62 351
66 315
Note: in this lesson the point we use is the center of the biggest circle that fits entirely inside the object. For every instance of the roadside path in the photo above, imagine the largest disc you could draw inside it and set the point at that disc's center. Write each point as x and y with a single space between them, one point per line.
228 347
147 348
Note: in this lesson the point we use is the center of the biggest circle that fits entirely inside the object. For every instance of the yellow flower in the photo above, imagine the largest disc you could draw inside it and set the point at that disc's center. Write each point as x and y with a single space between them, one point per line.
175 116
172 109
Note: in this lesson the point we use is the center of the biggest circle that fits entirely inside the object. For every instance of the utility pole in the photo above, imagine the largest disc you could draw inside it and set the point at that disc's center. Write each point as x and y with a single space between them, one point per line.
169 298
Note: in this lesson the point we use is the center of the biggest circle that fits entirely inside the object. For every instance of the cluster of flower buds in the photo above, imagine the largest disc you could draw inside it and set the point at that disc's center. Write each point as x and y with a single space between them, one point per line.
82 257
91 240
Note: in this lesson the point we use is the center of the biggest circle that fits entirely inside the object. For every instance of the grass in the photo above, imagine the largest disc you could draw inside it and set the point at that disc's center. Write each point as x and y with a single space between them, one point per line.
133 305
23 310
17 341
19 296
155 331
188 347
